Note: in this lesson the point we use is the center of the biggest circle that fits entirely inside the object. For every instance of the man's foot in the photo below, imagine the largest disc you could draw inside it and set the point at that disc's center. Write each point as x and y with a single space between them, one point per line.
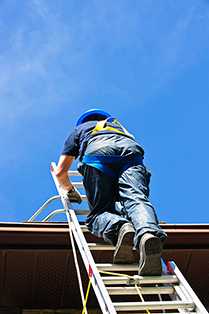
124 253
150 249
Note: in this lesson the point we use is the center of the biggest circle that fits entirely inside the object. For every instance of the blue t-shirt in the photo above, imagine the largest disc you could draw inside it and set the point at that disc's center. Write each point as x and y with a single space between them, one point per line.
74 144
111 140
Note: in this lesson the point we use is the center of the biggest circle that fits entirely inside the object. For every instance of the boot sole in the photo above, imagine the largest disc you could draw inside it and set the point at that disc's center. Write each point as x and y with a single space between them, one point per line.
125 254
151 254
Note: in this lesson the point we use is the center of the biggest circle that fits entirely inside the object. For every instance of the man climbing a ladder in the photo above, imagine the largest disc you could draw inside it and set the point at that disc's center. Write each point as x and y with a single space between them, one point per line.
117 188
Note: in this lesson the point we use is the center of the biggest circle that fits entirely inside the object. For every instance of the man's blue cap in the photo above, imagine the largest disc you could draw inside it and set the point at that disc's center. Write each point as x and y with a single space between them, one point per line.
92 112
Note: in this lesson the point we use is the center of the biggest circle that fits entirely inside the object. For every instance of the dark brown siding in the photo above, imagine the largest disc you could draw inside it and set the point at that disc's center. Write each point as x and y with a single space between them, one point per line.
37 268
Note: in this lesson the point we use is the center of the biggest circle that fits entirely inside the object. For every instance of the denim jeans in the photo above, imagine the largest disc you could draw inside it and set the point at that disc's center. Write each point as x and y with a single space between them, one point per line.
113 202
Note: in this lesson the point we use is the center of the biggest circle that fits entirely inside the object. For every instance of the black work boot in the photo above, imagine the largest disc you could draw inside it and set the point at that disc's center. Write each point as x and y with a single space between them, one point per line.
150 249
124 253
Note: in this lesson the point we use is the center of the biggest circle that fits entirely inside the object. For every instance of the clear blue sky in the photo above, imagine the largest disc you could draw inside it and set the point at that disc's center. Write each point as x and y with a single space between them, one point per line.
146 62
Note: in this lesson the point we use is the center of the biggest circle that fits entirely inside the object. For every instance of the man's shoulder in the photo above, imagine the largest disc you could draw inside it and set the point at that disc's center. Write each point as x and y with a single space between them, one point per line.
85 126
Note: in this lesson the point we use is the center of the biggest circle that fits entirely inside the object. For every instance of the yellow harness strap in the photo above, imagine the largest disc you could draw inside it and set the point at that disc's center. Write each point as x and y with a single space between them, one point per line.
101 126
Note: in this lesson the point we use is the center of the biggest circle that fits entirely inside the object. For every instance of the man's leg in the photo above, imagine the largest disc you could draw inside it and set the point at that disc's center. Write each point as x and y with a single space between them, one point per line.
133 194
103 220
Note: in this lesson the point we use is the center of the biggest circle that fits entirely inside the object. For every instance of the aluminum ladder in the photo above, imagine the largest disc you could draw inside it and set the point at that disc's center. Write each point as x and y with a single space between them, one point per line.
168 293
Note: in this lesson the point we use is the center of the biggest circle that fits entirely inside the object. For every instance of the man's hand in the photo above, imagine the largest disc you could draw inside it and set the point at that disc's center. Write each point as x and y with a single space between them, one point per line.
73 196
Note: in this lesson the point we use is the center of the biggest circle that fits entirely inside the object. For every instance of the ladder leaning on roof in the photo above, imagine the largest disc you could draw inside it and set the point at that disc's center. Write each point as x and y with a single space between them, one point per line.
111 281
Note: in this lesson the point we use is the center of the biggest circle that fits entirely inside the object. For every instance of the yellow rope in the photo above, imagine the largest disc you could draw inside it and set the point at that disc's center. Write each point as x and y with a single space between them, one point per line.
136 286
141 297
114 274
86 297
89 286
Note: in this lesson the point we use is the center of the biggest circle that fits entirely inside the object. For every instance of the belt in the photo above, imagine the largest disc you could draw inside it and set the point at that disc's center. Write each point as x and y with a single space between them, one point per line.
113 165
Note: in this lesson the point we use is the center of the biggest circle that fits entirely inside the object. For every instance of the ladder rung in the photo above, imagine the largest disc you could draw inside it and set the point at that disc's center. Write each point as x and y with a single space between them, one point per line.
84 228
78 184
112 280
82 212
74 173
165 305
99 247
118 267
143 290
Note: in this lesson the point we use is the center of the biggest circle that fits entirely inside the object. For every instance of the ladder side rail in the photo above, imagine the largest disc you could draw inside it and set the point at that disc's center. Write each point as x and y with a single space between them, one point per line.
44 206
76 262
200 309
53 214
97 283
181 293
181 296
72 241
61 211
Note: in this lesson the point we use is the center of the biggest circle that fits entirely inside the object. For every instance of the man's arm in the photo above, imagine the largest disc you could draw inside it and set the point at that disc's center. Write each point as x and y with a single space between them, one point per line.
61 172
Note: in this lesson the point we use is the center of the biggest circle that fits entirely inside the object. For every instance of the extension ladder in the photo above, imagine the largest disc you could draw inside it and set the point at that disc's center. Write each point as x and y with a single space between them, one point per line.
168 293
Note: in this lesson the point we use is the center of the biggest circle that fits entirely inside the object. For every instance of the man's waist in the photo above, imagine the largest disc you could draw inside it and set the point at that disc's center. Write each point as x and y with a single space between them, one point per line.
113 165
113 158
